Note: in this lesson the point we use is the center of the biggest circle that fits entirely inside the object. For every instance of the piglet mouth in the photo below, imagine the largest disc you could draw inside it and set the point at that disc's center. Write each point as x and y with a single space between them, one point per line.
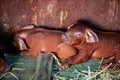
66 38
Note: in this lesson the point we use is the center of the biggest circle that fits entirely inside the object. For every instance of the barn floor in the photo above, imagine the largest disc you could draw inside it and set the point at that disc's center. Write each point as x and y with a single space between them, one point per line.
24 68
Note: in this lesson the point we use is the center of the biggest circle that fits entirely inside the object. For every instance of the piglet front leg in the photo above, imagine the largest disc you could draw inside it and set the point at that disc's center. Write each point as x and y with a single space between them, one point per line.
82 56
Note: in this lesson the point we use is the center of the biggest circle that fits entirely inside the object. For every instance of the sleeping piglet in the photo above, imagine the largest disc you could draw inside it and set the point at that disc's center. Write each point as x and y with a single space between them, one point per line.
32 41
3 64
92 44
23 34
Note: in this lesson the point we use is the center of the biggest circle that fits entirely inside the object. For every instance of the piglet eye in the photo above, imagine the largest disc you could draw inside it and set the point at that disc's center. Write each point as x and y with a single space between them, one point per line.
78 34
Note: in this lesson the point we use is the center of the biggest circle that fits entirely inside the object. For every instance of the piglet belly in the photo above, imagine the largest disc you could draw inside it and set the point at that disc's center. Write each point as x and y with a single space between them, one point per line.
100 54
49 48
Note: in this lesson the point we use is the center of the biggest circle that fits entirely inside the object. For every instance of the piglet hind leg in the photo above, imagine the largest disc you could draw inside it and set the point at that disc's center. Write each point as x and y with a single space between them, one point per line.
115 59
29 53
116 63
82 56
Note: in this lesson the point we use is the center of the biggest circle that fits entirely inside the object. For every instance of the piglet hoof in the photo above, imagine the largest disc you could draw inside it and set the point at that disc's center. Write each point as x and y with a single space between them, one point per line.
64 65
7 69
113 66
103 66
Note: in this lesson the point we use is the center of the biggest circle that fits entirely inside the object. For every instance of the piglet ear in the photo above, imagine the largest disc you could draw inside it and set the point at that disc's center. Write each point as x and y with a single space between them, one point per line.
69 26
28 27
91 36
22 44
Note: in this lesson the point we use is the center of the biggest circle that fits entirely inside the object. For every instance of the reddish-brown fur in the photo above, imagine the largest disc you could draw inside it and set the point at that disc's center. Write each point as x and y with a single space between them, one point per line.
23 33
35 40
92 43
3 64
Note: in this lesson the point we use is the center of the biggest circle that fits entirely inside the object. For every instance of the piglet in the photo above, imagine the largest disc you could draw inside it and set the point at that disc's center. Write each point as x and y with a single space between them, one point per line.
3 64
92 43
32 41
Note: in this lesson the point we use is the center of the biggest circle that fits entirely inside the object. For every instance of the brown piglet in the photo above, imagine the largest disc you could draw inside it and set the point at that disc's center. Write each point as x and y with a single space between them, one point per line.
35 40
92 43
3 64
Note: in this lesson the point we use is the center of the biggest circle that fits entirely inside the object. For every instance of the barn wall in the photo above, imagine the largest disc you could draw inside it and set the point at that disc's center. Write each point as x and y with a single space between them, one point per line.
57 13
61 13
